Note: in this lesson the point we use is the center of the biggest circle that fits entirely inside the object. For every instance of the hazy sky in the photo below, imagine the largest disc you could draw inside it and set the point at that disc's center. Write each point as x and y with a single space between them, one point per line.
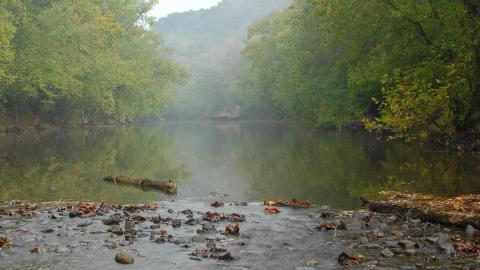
166 7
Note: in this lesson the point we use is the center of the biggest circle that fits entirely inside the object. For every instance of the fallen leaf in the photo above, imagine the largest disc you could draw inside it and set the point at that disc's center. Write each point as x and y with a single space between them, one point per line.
233 229
5 242
346 259
313 263
37 250
326 226
271 210
217 204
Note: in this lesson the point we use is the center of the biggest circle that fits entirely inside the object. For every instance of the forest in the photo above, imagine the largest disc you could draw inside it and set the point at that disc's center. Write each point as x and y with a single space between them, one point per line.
408 68
64 62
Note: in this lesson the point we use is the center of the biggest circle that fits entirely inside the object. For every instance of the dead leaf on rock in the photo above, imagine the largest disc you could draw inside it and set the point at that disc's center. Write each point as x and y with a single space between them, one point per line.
346 259
37 250
5 242
313 263
212 216
326 226
217 204
271 211
466 248
233 229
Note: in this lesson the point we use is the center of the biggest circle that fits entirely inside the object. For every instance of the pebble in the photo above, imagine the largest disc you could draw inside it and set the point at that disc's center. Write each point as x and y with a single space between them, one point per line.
387 253
170 211
470 230
124 258
411 252
176 223
406 244
445 244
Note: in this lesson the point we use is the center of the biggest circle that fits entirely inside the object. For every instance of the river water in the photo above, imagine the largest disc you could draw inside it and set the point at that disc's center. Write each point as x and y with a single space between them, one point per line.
250 161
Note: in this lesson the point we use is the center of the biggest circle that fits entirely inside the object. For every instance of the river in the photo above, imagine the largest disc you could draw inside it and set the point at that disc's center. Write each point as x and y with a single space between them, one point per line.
250 161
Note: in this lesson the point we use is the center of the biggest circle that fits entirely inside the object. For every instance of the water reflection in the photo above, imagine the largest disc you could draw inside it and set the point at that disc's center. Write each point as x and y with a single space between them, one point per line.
249 161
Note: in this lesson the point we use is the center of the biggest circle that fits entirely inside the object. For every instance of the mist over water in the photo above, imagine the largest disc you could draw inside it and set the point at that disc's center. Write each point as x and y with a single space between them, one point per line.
250 161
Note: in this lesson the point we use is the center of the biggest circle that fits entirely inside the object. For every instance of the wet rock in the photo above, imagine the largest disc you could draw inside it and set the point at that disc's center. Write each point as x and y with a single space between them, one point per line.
124 258
227 256
155 226
391 244
211 245
470 230
176 223
199 238
431 240
187 212
116 229
170 211
48 230
192 221
53 217
129 228
406 244
113 220
74 214
208 226
346 259
411 252
387 253
445 244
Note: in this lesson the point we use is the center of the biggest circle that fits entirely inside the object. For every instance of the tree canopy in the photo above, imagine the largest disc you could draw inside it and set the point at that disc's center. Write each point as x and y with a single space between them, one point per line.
64 61
409 67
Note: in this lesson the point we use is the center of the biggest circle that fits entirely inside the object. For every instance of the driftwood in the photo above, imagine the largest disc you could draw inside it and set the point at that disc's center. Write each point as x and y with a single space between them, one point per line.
459 211
166 186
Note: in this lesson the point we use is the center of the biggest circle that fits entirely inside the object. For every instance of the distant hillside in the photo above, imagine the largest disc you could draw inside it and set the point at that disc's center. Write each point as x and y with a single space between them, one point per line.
208 42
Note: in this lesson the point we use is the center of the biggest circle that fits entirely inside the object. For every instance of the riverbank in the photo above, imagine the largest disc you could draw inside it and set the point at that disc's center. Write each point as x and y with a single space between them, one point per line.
205 234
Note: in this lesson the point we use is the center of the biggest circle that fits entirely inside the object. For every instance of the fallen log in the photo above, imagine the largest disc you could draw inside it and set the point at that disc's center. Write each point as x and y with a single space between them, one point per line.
166 186
459 211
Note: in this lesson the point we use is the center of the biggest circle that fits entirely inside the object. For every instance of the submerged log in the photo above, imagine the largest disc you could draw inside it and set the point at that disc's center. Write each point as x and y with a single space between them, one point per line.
459 211
166 186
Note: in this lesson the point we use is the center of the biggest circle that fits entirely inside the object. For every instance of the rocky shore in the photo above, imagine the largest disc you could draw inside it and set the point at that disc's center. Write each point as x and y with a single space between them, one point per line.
219 234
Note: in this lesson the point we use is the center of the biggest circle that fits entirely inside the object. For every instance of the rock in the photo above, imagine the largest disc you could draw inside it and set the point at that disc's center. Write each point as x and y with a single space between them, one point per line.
431 240
198 238
48 230
124 258
391 244
53 217
406 244
155 226
192 221
113 220
207 227
445 244
176 223
324 208
470 230
187 212
74 214
211 245
170 211
387 253
411 252
129 228
116 229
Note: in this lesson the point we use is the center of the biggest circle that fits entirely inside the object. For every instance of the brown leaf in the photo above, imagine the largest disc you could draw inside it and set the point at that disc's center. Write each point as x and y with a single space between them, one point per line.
5 242
217 204
326 226
346 259
271 210
37 250
233 229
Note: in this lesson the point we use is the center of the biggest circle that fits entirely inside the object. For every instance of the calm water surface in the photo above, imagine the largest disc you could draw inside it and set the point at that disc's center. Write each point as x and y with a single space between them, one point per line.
249 161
